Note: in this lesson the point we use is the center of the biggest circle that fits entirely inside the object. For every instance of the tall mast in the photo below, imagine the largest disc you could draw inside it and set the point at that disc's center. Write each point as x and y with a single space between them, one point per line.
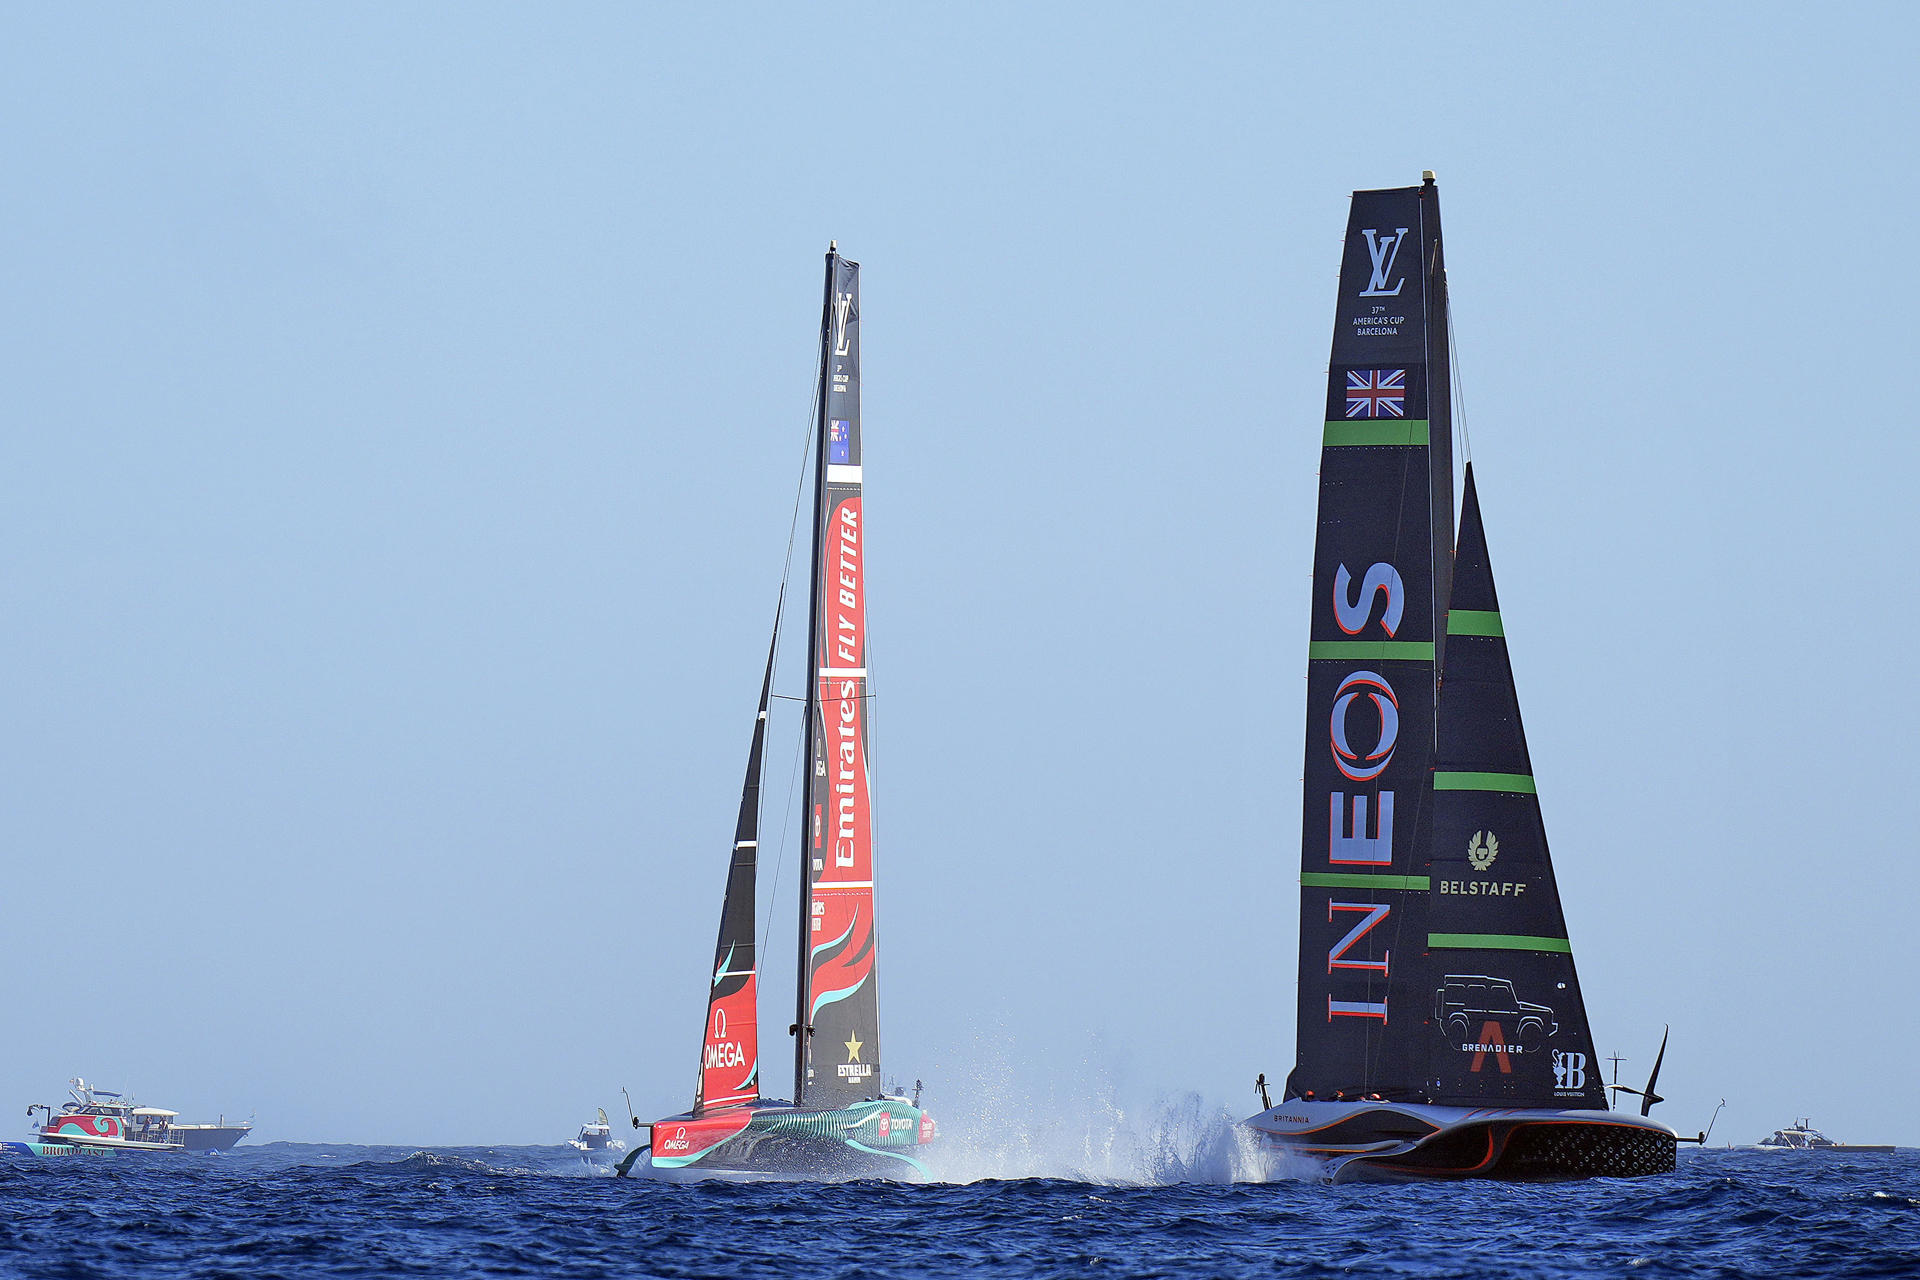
1439 336
1384 533
802 1024
837 1058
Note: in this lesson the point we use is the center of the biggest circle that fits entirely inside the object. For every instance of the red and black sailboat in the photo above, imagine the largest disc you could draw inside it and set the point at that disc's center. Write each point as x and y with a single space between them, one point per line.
1441 1030
839 1123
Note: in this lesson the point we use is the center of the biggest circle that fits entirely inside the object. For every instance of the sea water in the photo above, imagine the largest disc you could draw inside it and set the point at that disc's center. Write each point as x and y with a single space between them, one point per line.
296 1210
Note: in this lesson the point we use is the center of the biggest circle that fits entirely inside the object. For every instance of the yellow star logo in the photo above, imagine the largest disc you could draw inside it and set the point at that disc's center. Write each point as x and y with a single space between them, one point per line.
853 1049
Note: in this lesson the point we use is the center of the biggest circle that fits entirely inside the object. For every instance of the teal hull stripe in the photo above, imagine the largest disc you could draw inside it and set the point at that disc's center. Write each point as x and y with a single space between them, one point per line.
836 1125
1376 431
1371 650
1519 783
861 1146
1498 942
1361 880
1474 622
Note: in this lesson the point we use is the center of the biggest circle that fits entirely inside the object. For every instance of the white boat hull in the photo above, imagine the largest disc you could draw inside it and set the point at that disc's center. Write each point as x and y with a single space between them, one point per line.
1396 1142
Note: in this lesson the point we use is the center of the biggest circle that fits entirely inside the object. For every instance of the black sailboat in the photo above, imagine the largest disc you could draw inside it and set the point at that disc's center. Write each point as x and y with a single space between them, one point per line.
1441 1031
839 1123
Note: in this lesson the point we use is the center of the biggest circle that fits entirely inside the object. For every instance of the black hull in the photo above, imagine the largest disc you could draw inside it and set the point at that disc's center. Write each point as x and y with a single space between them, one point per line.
1549 1151
1388 1142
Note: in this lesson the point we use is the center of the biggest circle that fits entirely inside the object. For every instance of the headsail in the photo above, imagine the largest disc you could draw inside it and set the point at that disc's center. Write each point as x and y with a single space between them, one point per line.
1382 558
1509 1025
837 1057
730 1057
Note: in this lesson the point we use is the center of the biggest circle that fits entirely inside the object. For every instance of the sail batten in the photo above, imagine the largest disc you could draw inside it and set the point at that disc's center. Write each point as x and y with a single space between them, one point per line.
837 1054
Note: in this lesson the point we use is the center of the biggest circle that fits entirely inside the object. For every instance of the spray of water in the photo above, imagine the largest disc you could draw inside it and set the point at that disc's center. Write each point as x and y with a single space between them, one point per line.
1077 1120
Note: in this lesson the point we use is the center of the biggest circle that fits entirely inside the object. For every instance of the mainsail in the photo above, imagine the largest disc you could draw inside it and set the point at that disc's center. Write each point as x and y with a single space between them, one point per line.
1382 560
1509 1024
837 1051
730 1057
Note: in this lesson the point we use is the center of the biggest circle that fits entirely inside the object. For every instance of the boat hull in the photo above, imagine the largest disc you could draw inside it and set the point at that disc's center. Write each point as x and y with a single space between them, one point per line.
879 1139
1404 1142
52 1149
1834 1148
210 1137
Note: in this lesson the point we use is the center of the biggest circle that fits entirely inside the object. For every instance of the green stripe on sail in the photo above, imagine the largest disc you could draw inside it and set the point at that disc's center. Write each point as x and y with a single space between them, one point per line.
1474 622
1516 782
1361 880
1371 650
1401 431
1498 942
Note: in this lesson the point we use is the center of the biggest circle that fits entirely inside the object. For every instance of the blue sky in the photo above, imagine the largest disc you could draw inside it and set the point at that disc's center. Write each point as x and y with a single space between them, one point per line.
403 415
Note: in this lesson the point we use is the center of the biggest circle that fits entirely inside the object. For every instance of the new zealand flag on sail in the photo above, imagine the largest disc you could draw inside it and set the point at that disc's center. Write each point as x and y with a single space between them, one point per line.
838 450
1377 393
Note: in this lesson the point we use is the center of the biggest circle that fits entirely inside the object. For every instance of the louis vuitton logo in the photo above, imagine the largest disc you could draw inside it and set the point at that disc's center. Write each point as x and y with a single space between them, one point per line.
843 303
1383 250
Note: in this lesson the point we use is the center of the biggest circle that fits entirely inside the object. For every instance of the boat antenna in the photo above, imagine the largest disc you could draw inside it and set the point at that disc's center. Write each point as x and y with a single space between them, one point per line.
1711 1121
1647 1096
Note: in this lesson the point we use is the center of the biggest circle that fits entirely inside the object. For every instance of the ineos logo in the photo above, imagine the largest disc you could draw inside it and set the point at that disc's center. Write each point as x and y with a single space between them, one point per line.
1349 761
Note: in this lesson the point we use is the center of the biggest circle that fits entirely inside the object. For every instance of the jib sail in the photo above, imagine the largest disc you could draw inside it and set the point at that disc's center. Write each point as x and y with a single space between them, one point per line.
1382 556
837 1055
730 1057
1509 1026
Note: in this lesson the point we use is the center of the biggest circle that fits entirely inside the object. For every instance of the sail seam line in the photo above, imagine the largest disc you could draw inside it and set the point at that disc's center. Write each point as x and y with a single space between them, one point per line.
1384 650
1519 783
1498 942
1348 433
1361 880
1474 622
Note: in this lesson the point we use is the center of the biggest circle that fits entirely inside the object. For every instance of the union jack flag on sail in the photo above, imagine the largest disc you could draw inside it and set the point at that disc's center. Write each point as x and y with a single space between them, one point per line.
1377 393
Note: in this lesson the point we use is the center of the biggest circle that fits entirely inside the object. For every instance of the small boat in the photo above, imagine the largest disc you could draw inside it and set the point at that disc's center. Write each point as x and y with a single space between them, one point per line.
596 1138
840 1123
1802 1136
98 1120
1440 1027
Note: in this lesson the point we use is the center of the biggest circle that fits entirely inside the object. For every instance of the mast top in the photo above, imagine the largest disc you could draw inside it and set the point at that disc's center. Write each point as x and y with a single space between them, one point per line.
833 246
1426 175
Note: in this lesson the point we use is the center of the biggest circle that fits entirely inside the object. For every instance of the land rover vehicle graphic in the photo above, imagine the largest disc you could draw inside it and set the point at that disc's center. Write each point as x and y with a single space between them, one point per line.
1466 1002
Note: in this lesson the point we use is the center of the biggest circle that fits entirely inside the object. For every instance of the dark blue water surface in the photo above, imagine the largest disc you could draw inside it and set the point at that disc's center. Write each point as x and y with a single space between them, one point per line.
288 1210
